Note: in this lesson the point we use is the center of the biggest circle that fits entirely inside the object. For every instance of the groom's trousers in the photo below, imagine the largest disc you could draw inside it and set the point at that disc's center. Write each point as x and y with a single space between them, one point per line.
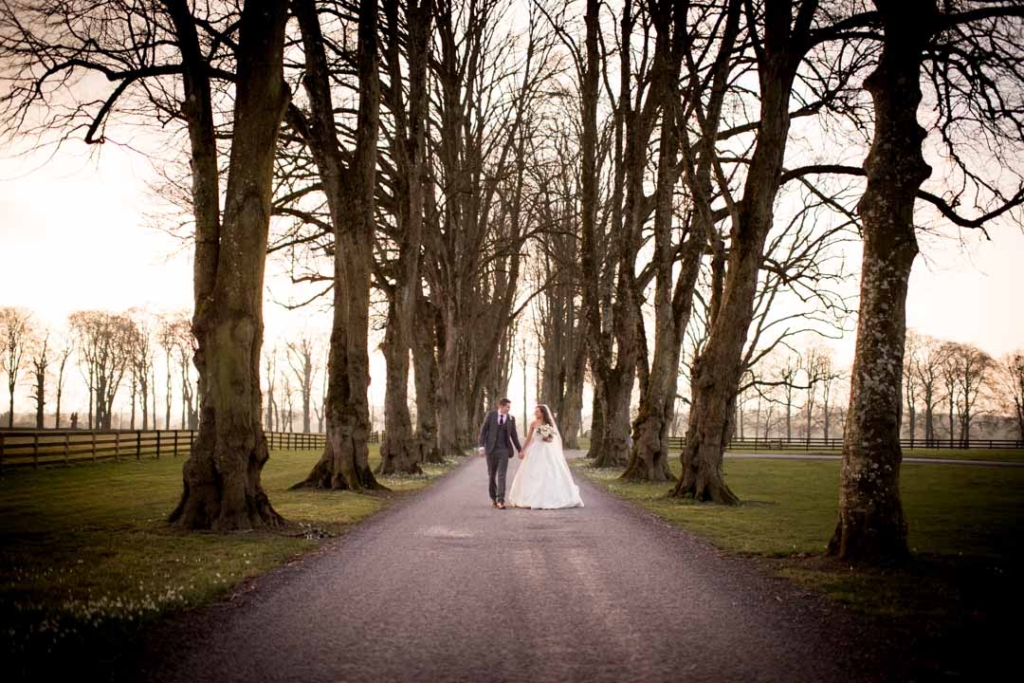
497 467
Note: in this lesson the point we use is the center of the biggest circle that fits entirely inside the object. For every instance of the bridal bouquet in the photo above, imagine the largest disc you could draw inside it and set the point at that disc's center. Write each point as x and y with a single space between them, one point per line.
546 432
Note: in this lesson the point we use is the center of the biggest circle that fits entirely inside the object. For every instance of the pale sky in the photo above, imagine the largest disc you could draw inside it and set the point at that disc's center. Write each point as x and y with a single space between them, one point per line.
74 235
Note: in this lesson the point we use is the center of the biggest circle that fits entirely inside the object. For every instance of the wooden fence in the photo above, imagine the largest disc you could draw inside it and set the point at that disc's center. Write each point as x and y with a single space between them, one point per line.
35 447
836 445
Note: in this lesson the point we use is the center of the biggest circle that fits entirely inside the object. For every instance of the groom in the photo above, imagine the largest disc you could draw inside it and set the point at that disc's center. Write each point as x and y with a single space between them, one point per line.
497 437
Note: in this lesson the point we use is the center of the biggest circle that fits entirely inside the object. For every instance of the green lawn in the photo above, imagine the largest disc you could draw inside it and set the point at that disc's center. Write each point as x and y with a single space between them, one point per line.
994 454
790 507
955 595
86 554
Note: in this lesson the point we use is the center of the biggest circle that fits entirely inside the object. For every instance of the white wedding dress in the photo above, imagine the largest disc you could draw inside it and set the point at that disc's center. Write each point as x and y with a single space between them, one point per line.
543 480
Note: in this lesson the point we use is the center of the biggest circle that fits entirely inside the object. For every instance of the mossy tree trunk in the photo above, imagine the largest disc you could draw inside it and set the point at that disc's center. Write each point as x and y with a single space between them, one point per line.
222 488
717 372
871 525
427 378
350 198
400 450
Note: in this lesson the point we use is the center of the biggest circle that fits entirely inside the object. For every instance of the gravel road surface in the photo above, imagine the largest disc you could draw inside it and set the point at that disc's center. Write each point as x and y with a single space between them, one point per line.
443 588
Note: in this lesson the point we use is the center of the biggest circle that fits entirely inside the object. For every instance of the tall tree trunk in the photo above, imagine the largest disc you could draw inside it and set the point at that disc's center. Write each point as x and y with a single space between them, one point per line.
222 488
871 525
572 401
400 450
649 459
718 370
589 192
350 197
426 377
447 407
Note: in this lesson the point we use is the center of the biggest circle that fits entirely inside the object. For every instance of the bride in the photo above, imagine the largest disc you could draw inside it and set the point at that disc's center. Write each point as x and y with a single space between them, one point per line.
544 480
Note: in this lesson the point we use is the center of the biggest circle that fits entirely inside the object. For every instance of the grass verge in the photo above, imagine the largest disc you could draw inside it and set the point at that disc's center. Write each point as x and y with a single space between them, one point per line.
86 556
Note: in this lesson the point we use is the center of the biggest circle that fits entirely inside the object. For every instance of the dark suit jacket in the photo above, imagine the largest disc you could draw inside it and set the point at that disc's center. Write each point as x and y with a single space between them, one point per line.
489 433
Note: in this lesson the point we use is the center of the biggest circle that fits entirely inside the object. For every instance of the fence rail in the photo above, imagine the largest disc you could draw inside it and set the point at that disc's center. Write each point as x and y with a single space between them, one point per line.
676 443
35 447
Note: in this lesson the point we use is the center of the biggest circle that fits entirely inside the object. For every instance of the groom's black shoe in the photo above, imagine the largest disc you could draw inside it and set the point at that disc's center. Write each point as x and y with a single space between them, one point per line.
501 506
494 503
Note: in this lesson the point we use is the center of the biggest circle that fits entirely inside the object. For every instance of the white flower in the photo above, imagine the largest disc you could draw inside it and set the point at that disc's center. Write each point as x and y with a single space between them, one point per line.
546 432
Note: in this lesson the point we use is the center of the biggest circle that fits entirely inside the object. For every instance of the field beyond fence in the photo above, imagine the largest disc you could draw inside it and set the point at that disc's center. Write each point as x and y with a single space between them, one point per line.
812 445
35 447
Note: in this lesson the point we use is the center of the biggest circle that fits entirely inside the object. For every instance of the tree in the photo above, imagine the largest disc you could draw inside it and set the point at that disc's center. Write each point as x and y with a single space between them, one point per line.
300 360
40 363
484 97
185 346
951 385
349 184
911 380
168 69
15 336
924 361
168 338
788 371
222 488
674 302
63 353
781 39
103 341
400 450
818 370
270 393
969 368
427 381
871 525
1013 382
140 364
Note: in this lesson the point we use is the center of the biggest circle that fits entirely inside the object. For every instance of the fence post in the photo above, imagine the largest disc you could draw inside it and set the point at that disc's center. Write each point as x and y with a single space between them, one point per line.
94 446
138 445
35 450
67 446
175 444
117 446
1 451
158 444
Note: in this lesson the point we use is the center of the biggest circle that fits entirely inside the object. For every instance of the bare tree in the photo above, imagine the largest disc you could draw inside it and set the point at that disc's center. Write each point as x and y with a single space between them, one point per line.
974 38
951 385
788 372
400 450
911 381
349 184
300 360
40 361
141 350
1013 382
782 34
63 353
817 362
674 302
161 61
270 393
971 367
15 335
427 380
167 338
924 358
103 341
